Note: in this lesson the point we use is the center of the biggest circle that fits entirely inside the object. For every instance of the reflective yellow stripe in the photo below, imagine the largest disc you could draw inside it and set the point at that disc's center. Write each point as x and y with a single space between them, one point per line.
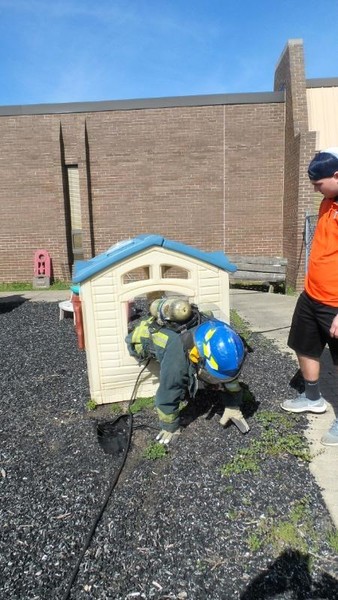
141 331
167 418
160 339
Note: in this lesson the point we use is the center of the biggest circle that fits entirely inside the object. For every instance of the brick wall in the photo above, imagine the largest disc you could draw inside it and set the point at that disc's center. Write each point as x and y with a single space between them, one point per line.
210 176
32 212
299 149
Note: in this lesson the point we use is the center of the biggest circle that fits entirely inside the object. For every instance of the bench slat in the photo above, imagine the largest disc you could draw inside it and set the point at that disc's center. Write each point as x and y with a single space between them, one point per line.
261 268
256 276
257 260
264 270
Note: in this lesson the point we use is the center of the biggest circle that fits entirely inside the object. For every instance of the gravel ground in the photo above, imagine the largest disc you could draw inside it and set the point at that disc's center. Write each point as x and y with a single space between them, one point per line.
174 528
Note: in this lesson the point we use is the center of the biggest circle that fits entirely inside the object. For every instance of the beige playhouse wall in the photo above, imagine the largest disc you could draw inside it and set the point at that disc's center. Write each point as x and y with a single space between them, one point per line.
112 371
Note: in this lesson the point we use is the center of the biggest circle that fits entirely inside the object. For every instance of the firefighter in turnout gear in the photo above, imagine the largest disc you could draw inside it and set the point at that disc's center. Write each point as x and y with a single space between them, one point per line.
190 346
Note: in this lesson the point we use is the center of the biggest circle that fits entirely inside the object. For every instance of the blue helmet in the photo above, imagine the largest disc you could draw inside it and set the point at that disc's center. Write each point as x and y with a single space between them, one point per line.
221 352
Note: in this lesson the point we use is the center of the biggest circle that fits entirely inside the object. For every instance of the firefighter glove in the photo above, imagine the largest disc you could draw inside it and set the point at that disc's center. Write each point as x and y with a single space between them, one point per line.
235 415
167 437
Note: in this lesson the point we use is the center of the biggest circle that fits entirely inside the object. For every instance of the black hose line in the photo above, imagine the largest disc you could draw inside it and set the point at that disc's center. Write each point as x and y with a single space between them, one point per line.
110 489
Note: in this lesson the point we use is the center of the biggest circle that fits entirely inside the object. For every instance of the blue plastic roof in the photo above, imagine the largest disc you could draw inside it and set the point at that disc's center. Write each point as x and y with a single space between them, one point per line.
85 269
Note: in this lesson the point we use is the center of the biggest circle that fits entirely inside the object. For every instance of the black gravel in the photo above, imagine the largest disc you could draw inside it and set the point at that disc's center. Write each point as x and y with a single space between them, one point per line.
174 528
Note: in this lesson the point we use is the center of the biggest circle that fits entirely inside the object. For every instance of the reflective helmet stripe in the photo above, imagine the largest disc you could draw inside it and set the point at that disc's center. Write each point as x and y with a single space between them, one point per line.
212 363
209 334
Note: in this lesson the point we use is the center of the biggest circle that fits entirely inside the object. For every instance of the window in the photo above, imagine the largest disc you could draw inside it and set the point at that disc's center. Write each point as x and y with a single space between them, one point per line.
75 210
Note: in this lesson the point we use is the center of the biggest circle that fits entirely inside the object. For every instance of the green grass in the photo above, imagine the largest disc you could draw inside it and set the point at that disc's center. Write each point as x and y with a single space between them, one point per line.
290 291
27 286
333 540
241 326
116 408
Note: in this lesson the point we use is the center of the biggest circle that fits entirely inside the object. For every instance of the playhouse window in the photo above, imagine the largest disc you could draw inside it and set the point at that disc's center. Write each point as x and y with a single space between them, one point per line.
139 274
174 272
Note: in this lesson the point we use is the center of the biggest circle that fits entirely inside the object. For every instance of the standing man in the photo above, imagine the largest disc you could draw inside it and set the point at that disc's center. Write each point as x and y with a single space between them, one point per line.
315 320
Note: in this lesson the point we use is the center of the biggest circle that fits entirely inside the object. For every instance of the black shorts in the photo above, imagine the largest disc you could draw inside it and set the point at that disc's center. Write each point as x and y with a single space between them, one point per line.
310 328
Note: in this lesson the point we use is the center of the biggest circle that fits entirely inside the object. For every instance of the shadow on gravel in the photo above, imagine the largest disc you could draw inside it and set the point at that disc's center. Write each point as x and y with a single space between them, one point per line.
210 403
10 303
291 573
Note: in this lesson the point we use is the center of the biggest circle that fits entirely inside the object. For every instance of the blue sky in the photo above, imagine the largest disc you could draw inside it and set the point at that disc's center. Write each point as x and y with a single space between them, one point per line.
85 50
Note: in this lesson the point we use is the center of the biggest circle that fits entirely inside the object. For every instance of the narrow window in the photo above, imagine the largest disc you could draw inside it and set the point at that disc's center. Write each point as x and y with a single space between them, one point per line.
75 211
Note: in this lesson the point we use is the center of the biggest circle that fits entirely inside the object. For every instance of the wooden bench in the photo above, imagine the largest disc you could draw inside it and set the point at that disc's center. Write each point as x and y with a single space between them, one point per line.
261 270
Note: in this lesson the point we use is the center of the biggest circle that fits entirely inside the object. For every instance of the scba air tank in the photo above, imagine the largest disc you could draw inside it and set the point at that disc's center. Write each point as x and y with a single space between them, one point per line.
171 309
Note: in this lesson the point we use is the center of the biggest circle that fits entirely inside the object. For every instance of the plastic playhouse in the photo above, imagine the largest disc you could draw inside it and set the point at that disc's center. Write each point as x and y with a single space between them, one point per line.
147 266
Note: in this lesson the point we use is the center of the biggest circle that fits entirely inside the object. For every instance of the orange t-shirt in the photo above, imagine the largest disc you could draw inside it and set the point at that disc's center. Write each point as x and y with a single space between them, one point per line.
321 280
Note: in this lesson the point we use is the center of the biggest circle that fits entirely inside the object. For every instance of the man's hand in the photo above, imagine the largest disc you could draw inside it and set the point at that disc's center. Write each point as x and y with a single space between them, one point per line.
167 437
334 328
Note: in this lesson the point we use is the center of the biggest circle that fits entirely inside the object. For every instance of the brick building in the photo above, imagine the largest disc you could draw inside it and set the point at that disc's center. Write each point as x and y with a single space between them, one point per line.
224 171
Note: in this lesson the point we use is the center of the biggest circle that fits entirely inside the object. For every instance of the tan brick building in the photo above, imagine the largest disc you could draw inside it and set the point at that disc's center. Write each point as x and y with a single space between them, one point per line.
219 172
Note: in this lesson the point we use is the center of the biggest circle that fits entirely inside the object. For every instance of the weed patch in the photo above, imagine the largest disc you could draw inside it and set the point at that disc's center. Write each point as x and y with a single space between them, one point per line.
154 451
141 404
276 439
332 539
91 405
116 408
241 326
296 532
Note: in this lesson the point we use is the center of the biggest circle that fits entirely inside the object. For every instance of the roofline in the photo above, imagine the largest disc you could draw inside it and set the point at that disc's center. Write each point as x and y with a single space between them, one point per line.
145 103
327 82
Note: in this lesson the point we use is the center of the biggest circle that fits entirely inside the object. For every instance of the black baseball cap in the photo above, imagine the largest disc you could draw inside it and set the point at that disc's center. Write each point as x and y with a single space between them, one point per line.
324 164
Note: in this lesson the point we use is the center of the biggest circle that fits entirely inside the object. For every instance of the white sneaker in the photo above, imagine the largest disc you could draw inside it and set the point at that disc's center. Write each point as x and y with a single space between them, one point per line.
303 404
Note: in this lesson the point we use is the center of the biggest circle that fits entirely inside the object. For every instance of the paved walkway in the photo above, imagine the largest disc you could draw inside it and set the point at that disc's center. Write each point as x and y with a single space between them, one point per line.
271 315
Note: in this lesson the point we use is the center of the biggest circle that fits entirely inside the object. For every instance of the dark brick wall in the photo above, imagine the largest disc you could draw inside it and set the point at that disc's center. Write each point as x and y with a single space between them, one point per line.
209 176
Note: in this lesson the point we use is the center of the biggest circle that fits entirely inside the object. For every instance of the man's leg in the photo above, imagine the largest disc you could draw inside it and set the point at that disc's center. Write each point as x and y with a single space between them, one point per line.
311 399
310 367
